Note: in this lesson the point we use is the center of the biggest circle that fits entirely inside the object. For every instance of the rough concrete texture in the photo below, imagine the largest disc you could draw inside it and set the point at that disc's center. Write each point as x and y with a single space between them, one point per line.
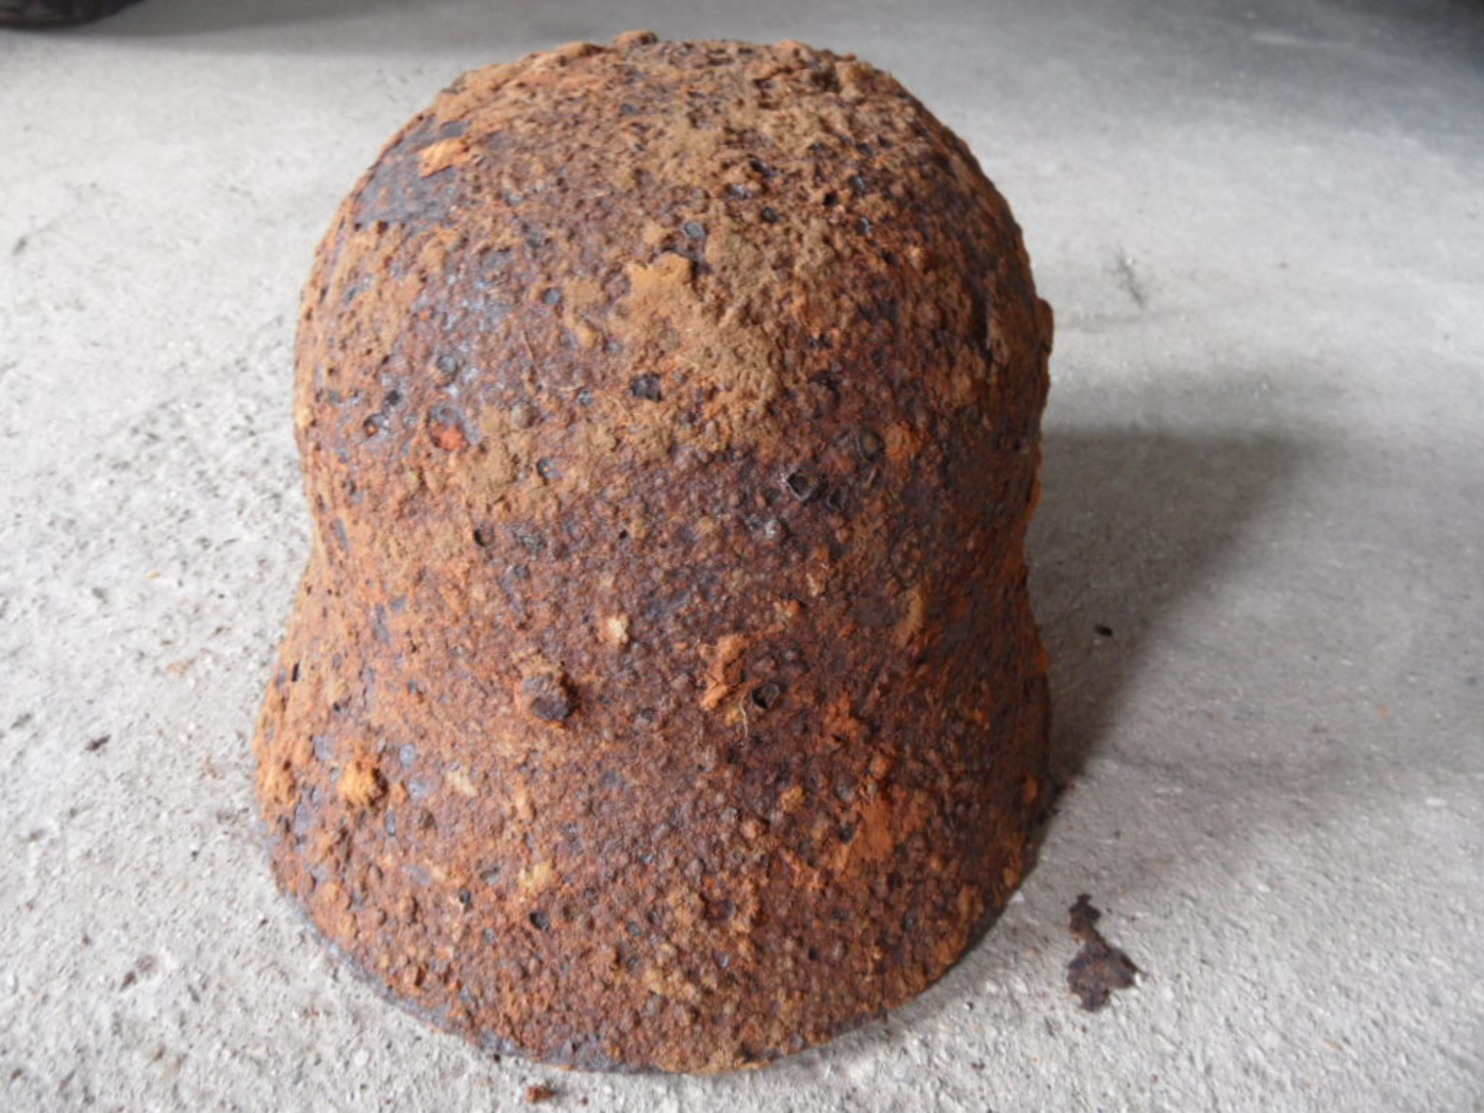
1258 558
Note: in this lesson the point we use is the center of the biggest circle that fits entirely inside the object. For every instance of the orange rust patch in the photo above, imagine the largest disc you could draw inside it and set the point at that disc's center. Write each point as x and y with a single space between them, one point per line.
362 783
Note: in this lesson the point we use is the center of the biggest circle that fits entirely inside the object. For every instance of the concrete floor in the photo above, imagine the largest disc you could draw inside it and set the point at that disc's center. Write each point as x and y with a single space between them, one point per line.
1262 227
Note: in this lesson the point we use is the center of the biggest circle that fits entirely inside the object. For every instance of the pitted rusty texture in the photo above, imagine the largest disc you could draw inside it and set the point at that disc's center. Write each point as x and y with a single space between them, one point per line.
663 690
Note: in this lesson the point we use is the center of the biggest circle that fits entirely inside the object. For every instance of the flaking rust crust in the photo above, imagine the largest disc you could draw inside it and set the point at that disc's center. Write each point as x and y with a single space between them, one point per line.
663 691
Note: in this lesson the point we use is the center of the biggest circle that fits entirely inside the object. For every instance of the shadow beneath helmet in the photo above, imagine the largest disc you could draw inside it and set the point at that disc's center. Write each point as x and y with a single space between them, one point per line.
1132 525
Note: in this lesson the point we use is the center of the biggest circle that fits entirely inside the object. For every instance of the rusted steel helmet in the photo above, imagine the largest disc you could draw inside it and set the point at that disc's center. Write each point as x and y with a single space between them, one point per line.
663 691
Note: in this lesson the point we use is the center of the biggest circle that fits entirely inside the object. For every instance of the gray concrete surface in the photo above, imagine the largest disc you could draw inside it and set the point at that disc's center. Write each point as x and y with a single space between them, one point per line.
1261 227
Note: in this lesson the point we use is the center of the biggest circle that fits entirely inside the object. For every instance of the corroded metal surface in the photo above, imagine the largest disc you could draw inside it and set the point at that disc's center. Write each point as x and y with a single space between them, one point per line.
663 690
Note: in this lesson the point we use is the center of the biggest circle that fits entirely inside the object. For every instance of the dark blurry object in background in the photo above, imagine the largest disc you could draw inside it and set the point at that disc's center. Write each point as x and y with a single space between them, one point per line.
56 13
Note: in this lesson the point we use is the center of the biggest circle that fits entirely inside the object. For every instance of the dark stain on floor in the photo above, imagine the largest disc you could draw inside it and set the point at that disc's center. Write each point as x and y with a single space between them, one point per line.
1098 969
